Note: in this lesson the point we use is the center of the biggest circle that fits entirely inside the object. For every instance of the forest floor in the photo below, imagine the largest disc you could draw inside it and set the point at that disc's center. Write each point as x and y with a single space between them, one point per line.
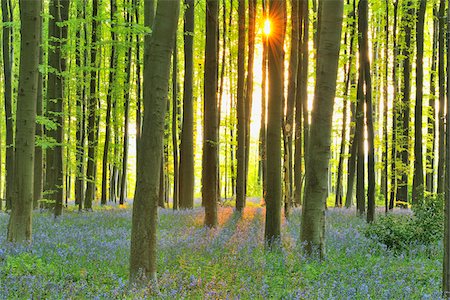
85 256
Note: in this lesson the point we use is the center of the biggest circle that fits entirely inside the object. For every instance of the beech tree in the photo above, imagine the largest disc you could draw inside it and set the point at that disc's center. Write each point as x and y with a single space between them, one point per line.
20 221
158 53
316 188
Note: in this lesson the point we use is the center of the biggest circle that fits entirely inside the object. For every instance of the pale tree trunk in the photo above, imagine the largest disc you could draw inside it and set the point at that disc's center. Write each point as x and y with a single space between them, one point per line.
210 135
59 9
313 214
158 51
20 221
187 131
277 11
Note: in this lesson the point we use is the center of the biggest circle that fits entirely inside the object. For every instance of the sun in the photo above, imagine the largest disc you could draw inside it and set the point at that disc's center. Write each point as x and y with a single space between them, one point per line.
267 27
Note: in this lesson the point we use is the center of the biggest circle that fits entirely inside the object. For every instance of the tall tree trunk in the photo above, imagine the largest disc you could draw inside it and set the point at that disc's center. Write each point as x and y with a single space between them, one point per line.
277 11
210 134
249 85
92 114
187 131
175 126
262 131
241 113
431 137
157 54
81 115
385 161
123 181
363 19
109 99
313 215
8 59
38 152
288 127
394 112
20 221
402 189
59 9
441 80
359 138
418 182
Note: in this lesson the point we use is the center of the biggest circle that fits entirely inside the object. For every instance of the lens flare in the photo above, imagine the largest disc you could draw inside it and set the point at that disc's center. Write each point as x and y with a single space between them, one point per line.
267 28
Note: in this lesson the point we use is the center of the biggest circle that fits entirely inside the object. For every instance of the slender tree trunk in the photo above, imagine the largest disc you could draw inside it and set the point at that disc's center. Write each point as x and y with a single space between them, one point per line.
38 153
402 189
394 112
277 11
187 131
288 127
109 99
59 9
241 107
262 131
431 138
365 63
92 114
313 215
175 127
418 181
385 161
20 221
359 138
123 181
210 136
158 50
8 59
441 80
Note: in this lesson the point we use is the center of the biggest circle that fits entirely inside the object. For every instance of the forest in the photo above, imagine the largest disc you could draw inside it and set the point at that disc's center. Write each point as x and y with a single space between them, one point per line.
225 149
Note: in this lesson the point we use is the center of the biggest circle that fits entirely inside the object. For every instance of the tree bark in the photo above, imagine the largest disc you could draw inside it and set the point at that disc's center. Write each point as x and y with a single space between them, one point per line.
210 134
441 82
418 181
158 50
313 215
277 11
54 180
20 221
187 131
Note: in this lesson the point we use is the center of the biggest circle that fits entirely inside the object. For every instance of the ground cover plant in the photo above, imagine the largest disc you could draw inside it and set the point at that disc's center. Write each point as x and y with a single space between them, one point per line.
86 256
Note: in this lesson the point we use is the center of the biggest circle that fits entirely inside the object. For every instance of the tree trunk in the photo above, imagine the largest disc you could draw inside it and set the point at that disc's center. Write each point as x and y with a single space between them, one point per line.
59 9
441 79
92 115
313 215
241 107
20 221
277 10
158 50
431 138
175 127
8 59
187 131
210 134
288 127
262 131
418 182
38 153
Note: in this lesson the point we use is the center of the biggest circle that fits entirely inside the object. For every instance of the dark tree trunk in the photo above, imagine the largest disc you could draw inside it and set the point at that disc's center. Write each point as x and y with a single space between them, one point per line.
210 134
8 59
187 131
277 11
241 113
441 80
54 181
175 126
418 181
92 115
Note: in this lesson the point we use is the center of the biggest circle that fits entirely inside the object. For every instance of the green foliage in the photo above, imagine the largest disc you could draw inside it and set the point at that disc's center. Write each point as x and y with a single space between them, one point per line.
424 226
